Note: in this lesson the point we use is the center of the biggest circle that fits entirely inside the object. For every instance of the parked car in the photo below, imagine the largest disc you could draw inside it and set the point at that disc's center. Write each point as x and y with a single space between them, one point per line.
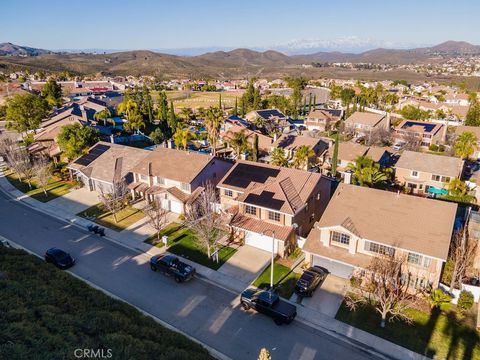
310 280
59 258
398 146
268 303
172 266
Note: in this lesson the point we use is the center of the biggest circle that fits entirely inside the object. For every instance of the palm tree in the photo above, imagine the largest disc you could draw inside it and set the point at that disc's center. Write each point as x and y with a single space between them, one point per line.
278 157
302 157
103 115
182 137
465 145
365 172
213 122
239 141
134 121
458 192
187 113
127 107
439 300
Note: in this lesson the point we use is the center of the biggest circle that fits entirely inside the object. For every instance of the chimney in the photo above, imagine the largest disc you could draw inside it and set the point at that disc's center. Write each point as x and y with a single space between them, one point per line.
170 143
275 136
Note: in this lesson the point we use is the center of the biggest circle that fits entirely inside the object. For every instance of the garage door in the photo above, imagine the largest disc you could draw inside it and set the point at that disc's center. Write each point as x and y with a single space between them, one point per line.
335 268
173 206
259 241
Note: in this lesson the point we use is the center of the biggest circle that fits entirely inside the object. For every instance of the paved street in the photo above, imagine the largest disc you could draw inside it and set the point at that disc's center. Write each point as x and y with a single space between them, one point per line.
198 308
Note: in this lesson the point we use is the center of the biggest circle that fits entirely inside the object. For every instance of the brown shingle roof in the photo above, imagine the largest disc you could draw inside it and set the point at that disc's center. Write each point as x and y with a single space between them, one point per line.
473 129
348 151
173 164
293 142
273 187
259 226
429 163
365 118
404 221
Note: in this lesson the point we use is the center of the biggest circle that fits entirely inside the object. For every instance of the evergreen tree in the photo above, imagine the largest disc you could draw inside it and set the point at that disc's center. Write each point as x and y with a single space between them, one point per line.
172 118
52 92
309 103
235 109
314 102
255 148
335 156
220 101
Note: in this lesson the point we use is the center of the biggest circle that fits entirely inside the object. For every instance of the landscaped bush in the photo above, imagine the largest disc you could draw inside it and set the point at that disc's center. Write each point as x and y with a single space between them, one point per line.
355 282
433 147
465 301
47 314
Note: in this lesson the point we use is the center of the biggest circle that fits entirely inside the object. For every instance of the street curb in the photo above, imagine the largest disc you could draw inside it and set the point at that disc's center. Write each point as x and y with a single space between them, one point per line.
215 353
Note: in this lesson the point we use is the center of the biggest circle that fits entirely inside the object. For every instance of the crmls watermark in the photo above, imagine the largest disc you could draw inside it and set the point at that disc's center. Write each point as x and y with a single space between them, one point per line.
93 353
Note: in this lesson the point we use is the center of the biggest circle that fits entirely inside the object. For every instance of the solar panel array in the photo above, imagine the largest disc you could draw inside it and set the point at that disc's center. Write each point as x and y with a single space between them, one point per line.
92 155
266 114
426 126
244 174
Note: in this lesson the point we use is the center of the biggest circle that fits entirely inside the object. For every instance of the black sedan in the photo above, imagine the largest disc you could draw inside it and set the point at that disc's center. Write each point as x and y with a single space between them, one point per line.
59 258
309 281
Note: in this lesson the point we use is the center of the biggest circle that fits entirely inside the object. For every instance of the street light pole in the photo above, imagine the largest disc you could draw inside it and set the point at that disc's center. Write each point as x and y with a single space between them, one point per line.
273 256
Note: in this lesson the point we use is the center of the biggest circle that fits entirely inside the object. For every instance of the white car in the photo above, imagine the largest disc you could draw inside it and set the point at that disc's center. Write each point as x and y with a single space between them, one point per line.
398 146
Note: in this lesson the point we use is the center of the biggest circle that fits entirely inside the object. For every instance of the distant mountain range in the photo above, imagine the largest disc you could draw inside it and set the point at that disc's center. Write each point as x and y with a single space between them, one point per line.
237 62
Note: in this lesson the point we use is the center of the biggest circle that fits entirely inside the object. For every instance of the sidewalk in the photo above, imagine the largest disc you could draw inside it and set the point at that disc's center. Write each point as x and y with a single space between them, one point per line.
359 338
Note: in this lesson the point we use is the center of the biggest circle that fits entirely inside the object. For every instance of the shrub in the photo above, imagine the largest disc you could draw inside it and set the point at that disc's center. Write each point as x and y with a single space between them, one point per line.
355 282
433 147
438 299
465 301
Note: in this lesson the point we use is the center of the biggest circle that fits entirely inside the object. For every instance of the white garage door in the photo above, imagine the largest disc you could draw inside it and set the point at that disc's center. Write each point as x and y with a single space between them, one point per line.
259 241
335 268
173 206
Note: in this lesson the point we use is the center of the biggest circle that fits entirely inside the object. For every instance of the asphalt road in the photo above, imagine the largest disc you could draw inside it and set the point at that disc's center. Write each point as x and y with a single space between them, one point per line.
202 310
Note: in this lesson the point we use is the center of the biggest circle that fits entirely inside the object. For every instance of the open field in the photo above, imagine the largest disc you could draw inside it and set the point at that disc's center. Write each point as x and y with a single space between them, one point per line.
199 99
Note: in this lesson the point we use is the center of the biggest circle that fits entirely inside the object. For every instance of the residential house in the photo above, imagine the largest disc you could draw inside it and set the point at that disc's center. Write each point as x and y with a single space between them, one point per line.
323 119
267 201
264 141
362 222
290 143
424 173
104 164
273 118
459 99
362 123
175 177
426 132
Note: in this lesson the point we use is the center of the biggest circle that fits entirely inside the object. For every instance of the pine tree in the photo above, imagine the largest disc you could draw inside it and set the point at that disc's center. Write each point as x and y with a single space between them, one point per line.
314 102
335 156
304 105
220 101
172 118
235 109
309 103
255 148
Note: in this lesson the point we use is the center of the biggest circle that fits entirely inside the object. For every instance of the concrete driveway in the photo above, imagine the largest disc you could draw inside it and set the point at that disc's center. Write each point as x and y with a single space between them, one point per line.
246 264
328 298
76 201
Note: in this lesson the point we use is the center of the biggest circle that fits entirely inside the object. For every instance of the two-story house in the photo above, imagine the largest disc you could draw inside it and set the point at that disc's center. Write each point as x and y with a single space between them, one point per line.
290 143
323 119
361 222
362 123
427 173
427 133
267 201
175 177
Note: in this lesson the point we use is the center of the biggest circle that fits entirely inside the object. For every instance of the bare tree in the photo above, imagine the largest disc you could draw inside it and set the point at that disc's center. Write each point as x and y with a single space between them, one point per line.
412 142
205 222
156 215
379 137
7 145
387 289
115 198
462 252
43 172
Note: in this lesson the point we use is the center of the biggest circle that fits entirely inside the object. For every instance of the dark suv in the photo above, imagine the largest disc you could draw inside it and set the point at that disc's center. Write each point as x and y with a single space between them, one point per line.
309 281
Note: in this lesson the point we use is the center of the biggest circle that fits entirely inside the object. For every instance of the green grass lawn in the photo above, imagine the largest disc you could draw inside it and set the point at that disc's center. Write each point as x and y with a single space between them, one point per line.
442 336
54 189
47 314
181 241
284 280
166 231
126 217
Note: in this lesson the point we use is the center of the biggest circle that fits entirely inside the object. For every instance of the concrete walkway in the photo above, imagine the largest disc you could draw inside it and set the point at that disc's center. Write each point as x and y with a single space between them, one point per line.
76 200
367 342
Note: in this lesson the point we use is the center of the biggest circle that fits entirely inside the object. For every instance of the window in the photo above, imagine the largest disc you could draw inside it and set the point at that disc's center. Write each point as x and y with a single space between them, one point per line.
185 187
229 193
414 259
143 177
440 178
160 181
414 173
427 261
340 238
249 209
273 216
379 249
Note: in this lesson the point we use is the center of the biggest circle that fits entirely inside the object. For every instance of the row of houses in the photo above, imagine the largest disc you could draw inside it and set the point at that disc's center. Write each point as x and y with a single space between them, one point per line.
340 232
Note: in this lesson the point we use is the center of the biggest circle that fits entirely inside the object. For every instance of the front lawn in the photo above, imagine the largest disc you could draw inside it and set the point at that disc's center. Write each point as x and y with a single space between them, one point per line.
166 231
47 314
128 216
181 241
284 280
55 188
442 336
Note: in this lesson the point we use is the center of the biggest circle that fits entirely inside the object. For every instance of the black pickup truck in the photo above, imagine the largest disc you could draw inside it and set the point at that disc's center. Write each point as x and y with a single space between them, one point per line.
268 303
171 265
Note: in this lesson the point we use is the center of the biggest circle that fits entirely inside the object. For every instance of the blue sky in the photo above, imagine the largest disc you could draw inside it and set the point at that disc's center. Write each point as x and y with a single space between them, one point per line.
148 24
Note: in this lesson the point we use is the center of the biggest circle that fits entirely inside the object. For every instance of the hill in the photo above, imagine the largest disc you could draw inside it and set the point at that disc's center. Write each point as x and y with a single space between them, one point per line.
17 50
